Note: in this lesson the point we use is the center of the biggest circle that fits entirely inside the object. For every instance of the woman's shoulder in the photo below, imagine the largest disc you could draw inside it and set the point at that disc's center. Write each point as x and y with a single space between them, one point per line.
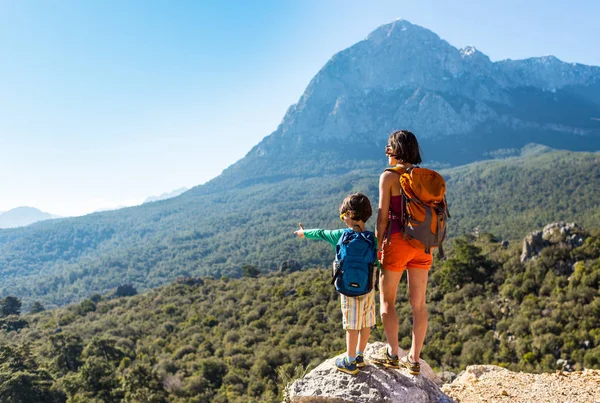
389 175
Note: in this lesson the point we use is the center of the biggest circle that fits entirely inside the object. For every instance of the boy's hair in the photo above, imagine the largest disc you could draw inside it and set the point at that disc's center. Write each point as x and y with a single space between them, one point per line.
405 147
358 205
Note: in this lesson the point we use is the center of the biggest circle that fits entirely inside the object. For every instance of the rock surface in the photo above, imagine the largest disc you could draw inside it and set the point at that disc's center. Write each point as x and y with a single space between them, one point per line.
489 383
568 235
478 383
372 384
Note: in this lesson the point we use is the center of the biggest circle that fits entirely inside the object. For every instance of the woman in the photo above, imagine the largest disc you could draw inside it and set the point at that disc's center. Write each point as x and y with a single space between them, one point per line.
397 255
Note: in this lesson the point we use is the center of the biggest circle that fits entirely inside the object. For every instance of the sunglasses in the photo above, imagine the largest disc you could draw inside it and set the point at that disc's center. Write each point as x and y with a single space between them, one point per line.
343 216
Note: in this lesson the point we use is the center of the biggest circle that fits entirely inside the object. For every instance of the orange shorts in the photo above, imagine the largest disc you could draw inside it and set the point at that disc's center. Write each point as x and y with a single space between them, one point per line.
398 254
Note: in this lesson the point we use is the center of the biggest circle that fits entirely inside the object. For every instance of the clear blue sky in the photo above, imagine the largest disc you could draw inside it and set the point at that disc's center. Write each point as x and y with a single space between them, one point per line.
104 103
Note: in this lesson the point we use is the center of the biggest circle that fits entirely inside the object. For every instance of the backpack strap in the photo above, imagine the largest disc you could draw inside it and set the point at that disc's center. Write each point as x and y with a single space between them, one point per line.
338 271
356 225
441 254
338 262
395 170
388 229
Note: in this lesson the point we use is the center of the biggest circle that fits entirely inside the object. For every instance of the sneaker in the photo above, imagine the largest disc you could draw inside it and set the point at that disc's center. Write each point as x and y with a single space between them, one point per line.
413 367
342 364
360 361
385 359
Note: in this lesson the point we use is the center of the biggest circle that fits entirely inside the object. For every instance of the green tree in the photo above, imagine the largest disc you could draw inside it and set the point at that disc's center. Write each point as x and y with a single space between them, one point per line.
250 270
141 384
65 351
36 307
213 371
98 377
467 265
125 290
86 306
10 306
13 323
21 381
104 347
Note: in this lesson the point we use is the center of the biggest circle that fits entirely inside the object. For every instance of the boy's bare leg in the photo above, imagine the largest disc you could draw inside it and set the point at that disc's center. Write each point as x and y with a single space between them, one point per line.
351 342
417 286
363 338
388 286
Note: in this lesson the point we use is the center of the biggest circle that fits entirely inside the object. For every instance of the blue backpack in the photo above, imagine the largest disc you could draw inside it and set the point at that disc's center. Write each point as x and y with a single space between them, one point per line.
354 268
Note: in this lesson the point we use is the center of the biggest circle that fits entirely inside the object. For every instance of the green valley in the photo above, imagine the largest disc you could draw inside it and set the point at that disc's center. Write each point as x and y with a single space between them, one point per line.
241 340
215 231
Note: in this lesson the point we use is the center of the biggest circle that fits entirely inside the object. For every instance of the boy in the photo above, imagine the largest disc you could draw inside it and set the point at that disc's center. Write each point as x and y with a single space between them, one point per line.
358 312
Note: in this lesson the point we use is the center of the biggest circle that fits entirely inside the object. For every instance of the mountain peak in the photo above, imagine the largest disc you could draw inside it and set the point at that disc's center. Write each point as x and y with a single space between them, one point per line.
469 51
392 56
548 59
398 28
471 55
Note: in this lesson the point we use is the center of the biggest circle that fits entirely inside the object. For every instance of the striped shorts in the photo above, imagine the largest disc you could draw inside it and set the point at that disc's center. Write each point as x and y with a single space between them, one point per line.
358 312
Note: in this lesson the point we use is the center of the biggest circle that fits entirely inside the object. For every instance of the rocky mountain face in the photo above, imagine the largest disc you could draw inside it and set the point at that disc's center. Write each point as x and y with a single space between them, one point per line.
458 102
22 216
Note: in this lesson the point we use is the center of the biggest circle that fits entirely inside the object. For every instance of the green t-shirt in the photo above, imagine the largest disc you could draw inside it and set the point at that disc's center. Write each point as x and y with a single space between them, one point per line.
331 236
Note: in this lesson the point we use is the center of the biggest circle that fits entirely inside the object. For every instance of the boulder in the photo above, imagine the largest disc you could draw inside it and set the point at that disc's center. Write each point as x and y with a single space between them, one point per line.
567 234
532 245
373 384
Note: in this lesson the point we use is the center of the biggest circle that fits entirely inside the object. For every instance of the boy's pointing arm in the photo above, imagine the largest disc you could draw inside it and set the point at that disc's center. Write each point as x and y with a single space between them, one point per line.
331 236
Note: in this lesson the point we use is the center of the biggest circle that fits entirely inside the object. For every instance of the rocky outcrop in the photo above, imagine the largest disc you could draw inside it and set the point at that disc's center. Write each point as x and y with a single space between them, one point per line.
477 383
569 235
372 384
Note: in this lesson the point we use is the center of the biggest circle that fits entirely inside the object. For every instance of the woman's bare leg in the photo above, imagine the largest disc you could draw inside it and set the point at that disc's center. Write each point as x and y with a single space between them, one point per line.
417 288
388 286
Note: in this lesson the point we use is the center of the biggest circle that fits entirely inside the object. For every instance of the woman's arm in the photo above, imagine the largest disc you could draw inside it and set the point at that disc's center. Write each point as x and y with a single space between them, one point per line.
385 194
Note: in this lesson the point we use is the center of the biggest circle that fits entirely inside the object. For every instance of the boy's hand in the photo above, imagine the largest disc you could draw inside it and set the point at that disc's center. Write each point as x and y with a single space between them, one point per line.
300 232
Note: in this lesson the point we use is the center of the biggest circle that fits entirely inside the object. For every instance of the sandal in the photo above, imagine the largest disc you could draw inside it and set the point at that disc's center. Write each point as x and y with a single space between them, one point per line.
385 359
413 367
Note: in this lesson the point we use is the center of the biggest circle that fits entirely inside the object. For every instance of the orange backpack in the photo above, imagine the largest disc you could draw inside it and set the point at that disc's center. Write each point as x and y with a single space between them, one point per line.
425 208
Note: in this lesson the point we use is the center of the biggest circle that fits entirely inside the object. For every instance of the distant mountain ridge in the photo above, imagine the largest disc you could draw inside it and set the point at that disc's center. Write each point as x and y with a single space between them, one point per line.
22 216
166 195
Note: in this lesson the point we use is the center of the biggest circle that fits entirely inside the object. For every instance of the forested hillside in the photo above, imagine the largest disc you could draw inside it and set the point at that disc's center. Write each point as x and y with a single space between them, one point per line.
241 340
463 108
217 232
